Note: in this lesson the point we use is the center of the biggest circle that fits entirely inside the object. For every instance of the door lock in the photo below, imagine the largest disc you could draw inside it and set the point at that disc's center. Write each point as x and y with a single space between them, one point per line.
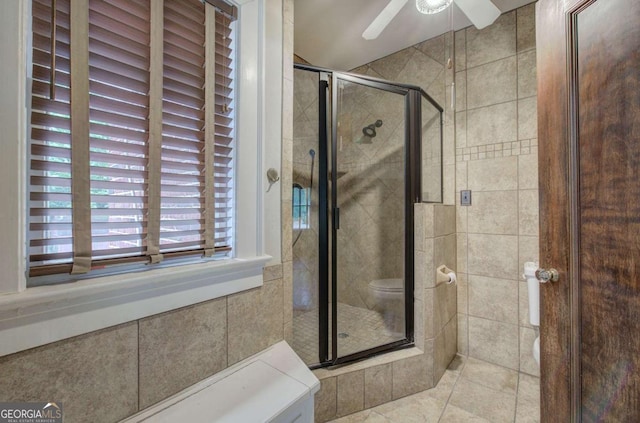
544 275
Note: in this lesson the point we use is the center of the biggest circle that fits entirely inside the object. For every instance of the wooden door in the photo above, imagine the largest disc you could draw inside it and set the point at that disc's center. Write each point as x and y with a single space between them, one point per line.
589 162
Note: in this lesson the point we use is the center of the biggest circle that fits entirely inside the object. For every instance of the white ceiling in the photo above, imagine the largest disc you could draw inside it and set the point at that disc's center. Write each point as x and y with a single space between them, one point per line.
328 33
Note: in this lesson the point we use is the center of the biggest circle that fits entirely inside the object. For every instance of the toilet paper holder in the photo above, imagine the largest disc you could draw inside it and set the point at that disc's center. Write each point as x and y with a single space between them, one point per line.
444 274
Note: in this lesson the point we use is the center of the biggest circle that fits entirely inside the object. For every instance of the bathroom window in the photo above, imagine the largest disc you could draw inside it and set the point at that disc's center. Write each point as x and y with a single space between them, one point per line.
301 207
137 164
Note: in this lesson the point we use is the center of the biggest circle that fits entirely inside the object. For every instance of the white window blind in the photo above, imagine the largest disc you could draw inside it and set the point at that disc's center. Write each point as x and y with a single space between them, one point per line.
132 141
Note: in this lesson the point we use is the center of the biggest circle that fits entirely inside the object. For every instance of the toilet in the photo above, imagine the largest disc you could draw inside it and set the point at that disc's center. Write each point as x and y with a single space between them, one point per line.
533 285
388 295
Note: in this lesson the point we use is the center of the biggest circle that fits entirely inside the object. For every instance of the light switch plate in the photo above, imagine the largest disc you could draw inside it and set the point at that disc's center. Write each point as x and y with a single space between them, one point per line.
465 197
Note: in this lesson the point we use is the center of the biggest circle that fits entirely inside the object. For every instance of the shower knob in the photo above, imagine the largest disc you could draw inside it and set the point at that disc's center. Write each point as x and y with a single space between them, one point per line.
544 275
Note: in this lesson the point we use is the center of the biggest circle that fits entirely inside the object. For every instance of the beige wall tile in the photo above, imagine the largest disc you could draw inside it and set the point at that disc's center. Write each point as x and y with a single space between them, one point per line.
528 250
528 401
528 171
420 70
429 280
350 398
492 124
461 130
378 383
419 323
526 23
462 294
463 334
270 273
527 118
528 212
527 362
445 220
445 348
434 48
493 174
445 305
493 83
494 42
445 251
419 275
462 256
493 255
461 51
448 145
462 214
494 212
287 48
449 185
180 348
429 312
523 295
492 298
94 375
390 66
413 374
287 7
325 403
255 320
461 90
527 83
429 220
287 110
494 342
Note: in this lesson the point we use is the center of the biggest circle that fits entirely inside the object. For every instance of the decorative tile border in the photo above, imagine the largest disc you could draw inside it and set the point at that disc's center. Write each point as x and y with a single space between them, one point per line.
501 149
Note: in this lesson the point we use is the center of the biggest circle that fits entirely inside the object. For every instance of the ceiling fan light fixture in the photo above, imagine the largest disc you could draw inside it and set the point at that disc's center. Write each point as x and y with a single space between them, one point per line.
429 7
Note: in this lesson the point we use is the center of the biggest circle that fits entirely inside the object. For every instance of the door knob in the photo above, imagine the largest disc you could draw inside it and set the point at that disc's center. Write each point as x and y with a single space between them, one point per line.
544 275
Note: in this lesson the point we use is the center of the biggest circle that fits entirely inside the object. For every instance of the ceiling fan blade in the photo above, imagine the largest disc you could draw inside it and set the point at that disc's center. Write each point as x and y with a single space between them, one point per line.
481 13
382 20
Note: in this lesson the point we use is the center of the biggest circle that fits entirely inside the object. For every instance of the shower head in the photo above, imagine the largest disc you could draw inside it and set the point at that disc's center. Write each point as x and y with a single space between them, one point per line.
312 152
370 130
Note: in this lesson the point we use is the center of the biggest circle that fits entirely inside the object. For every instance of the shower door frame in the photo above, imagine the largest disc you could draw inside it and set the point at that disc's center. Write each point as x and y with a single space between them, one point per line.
411 181
329 208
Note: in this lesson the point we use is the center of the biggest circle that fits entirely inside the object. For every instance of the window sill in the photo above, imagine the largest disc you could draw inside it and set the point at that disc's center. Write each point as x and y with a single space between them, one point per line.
47 314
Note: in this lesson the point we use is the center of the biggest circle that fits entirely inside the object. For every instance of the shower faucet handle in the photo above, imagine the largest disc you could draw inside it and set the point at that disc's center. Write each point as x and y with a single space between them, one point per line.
544 275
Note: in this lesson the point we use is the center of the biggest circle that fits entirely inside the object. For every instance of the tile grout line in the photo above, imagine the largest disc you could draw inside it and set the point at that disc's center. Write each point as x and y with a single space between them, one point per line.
466 247
452 389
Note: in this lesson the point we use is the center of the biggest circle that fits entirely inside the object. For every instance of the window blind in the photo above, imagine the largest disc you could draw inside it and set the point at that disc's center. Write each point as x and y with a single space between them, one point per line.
132 152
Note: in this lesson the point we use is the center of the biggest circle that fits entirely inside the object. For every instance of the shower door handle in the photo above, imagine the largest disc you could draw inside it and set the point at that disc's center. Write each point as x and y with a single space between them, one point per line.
336 218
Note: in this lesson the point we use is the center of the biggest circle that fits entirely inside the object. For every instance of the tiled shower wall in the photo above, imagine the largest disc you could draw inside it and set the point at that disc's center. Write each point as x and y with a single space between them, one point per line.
425 65
496 158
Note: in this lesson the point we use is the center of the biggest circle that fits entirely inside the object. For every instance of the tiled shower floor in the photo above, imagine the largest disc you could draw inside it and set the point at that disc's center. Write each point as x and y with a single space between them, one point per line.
363 328
470 391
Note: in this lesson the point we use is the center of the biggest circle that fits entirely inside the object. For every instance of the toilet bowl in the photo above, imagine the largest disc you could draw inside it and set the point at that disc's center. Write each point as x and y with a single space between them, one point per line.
388 295
533 286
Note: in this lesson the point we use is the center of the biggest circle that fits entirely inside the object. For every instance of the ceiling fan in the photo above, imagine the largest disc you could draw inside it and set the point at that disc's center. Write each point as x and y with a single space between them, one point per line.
480 12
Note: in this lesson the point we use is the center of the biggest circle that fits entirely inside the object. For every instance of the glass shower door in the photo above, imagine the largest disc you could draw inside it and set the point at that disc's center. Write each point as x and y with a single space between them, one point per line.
368 180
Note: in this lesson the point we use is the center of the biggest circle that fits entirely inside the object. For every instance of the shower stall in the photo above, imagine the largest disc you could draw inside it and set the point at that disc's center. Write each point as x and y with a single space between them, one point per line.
364 151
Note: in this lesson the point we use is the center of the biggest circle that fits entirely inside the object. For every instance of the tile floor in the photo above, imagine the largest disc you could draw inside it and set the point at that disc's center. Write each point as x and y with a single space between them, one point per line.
470 391
363 328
